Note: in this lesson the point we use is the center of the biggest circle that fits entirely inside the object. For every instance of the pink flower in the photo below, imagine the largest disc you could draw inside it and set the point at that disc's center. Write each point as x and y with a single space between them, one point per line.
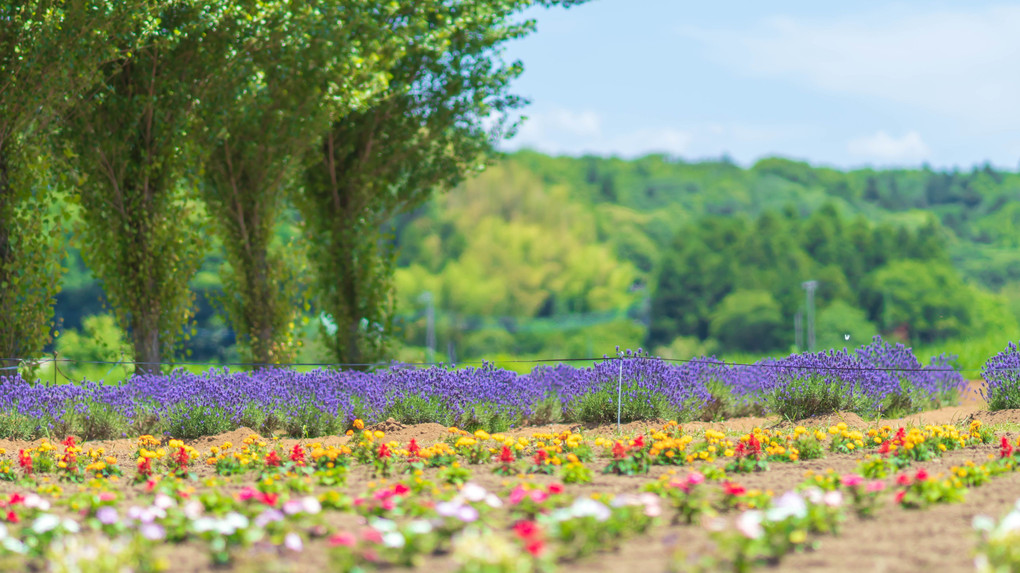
247 493
694 478
371 535
342 538
851 480
538 496
517 495
875 485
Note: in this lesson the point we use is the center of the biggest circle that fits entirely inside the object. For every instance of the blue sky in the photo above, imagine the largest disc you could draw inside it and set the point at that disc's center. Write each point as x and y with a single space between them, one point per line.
844 84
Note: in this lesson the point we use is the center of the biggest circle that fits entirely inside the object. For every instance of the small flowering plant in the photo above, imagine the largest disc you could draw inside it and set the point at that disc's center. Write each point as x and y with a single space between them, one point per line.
543 463
864 493
747 456
575 471
506 463
998 547
628 459
688 496
922 490
735 496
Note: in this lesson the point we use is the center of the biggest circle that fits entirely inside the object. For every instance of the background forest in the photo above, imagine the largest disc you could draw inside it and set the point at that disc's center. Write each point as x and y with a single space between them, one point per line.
543 256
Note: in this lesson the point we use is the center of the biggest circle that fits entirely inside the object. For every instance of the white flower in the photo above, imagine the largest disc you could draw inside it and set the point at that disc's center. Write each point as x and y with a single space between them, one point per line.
833 498
983 523
293 542
749 524
447 508
587 507
45 522
467 514
393 539
232 522
310 505
473 492
152 531
383 525
14 545
419 527
3 530
203 524
1011 522
492 500
291 507
193 509
790 504
163 501
70 525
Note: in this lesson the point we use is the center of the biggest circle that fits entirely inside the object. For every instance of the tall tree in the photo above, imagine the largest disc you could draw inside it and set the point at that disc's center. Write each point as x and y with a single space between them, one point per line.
50 52
134 148
298 71
427 132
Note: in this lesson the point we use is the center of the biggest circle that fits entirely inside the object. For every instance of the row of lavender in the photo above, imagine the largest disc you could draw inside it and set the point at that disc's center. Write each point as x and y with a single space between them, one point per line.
876 379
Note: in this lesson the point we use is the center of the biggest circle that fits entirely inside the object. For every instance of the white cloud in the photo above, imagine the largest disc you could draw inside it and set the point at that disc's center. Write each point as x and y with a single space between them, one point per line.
567 131
885 148
957 63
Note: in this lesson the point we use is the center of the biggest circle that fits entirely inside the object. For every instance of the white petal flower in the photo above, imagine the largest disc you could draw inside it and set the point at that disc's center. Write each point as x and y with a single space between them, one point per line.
749 524
393 539
310 505
293 542
45 522
473 492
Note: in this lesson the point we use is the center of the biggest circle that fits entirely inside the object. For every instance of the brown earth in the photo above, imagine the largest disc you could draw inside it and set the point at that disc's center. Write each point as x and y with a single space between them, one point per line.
939 539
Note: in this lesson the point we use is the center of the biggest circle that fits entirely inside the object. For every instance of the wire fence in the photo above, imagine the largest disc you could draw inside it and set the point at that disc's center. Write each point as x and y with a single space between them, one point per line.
56 360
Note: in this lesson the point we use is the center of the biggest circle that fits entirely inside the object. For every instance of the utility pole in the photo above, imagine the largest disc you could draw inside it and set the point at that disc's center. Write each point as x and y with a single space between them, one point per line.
810 287
798 329
430 327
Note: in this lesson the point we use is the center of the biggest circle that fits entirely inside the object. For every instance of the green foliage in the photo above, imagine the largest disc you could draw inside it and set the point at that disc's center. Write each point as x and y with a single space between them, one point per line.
132 146
46 63
748 319
841 325
294 76
100 340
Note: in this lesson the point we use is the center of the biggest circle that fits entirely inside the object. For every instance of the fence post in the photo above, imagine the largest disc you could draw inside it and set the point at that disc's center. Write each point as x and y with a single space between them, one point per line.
619 396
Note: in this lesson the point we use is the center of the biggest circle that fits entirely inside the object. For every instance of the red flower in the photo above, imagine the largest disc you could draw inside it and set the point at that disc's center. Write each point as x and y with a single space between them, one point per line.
269 499
740 451
555 488
904 479
730 488
527 530
540 457
273 459
413 448
901 436
400 489
1005 449
384 451
181 458
16 498
884 448
639 442
507 455
145 467
68 442
899 496
297 455
619 451
25 461
921 475
13 517
535 547
754 446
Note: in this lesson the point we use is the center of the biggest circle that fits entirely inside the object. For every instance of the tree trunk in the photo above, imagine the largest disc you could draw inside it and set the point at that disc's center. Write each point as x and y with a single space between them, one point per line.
261 312
8 339
145 339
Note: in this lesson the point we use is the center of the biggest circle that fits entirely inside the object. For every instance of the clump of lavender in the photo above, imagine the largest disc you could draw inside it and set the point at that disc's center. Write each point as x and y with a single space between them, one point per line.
1002 379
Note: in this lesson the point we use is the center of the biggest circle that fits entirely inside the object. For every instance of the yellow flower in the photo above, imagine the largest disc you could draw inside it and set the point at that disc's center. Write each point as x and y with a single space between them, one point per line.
378 434
359 424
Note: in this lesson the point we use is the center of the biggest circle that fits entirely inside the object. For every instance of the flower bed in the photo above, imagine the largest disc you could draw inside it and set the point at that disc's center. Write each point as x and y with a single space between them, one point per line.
877 379
475 501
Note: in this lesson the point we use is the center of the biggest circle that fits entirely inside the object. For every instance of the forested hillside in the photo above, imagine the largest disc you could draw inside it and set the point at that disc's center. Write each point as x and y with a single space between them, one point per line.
544 256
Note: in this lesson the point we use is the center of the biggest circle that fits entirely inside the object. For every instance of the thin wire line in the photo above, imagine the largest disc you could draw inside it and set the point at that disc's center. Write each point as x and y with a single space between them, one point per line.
516 361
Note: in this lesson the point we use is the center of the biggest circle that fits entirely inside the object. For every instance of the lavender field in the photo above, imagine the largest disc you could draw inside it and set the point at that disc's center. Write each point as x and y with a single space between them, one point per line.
879 379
